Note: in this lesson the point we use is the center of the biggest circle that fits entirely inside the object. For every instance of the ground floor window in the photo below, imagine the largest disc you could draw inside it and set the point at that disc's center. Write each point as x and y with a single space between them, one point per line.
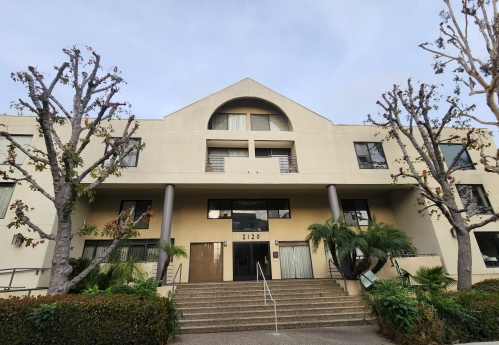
141 250
488 242
206 262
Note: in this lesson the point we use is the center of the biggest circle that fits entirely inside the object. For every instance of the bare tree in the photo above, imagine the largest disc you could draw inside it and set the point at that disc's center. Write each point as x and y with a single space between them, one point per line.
471 46
87 117
406 117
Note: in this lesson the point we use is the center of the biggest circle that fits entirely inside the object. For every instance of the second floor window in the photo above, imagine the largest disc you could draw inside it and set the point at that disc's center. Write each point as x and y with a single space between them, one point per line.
474 198
370 156
133 158
23 140
355 211
140 206
6 191
450 152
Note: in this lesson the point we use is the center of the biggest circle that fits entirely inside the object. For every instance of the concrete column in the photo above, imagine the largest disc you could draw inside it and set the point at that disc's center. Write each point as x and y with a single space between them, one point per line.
334 205
166 226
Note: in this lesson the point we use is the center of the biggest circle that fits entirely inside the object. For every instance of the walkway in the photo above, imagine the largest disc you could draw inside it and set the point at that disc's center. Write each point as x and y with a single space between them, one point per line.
351 335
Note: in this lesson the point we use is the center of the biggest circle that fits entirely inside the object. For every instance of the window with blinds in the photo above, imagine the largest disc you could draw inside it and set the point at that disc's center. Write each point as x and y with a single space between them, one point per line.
138 250
231 122
22 140
6 191
269 122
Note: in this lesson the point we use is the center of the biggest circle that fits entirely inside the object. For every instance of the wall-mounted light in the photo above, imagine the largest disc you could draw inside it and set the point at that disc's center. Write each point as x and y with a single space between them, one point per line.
17 239
225 243
276 242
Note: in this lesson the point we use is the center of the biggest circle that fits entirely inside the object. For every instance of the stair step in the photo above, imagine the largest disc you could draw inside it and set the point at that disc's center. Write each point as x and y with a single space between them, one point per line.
200 302
263 319
280 306
269 312
271 326
259 295
275 289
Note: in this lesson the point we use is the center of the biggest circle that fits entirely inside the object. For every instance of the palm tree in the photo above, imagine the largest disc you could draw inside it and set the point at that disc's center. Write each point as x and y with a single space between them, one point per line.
171 250
332 233
432 278
380 240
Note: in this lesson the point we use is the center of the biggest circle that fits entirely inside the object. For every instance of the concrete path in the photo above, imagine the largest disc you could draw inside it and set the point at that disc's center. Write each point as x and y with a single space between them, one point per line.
357 335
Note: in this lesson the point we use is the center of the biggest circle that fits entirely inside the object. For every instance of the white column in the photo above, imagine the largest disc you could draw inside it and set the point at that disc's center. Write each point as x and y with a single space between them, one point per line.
166 226
334 205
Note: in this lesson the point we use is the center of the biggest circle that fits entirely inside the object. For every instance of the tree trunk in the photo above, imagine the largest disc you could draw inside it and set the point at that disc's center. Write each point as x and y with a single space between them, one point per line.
60 261
379 265
362 266
165 268
464 260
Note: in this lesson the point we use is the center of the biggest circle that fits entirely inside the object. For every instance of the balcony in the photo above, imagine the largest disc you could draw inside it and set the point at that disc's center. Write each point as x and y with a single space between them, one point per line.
287 164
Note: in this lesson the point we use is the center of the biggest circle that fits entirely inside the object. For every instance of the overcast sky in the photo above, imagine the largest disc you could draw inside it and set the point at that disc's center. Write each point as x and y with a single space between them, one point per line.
333 57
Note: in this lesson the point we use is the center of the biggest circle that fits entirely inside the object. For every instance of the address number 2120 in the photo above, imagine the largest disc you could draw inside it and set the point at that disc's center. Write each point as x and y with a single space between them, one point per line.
251 236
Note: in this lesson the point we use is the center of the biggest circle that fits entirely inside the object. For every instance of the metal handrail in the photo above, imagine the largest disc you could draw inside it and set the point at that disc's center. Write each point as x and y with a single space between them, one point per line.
265 285
19 270
29 290
179 268
330 261
288 164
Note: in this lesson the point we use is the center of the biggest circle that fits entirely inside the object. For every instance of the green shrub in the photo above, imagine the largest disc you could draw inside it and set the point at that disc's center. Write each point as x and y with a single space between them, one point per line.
86 319
411 315
490 285
392 301
121 289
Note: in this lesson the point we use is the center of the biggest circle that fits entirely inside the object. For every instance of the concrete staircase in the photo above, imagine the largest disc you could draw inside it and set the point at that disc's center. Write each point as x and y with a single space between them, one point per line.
238 306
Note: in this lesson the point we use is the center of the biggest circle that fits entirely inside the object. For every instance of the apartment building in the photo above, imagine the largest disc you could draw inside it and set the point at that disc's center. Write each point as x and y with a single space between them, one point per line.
236 178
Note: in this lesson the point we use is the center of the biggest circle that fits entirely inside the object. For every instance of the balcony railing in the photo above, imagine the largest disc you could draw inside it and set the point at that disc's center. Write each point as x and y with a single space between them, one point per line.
215 163
288 164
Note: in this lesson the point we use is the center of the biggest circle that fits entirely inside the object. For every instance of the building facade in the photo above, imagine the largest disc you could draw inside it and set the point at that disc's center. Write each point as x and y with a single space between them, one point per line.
236 178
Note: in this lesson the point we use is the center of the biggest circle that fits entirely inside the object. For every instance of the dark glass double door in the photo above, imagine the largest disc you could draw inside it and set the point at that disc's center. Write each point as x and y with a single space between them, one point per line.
246 255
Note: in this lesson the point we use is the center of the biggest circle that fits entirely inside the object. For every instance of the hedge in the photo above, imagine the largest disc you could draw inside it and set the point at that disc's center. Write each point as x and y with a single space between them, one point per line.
84 319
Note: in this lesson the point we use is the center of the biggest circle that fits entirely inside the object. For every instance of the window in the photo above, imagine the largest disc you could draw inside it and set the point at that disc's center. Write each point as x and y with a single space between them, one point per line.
269 123
272 152
450 151
355 211
6 190
474 199
141 250
140 206
219 209
133 158
370 156
223 152
231 122
279 208
23 140
488 242
249 215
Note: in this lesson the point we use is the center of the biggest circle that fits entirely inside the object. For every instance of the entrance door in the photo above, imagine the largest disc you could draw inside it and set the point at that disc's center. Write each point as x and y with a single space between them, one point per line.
246 255
295 260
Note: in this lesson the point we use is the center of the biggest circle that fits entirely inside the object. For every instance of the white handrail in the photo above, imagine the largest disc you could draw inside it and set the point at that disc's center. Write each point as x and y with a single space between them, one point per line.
265 285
